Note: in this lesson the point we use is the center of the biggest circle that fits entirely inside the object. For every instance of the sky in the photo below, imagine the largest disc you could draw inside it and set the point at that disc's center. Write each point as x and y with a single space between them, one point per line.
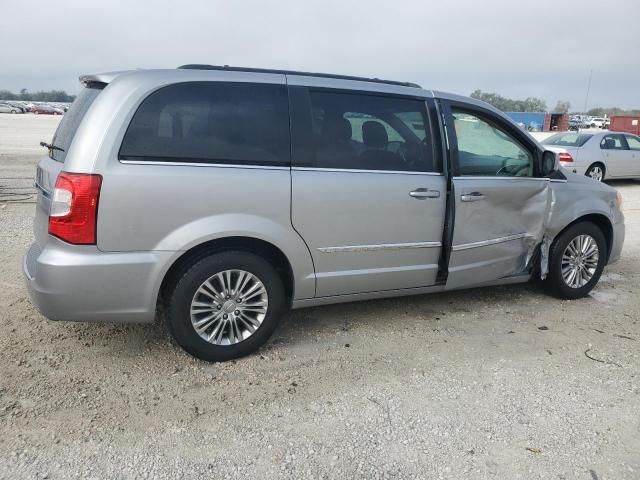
519 49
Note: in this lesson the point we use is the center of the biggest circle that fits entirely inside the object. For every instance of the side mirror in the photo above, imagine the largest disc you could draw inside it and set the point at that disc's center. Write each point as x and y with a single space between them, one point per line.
550 163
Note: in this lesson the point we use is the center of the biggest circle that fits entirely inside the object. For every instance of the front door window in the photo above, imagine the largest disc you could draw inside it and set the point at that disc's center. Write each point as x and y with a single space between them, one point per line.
484 149
633 142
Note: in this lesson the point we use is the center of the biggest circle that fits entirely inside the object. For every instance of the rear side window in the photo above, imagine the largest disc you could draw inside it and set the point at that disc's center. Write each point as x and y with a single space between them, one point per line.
362 132
211 122
71 121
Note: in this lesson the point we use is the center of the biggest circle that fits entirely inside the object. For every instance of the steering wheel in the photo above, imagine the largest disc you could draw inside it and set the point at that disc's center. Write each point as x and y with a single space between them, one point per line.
511 170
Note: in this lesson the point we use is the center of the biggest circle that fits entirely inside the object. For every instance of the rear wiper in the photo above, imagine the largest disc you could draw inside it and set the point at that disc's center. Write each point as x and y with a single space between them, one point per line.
51 146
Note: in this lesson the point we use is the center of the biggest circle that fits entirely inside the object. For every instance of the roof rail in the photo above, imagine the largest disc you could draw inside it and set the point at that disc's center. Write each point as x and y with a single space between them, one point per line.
197 66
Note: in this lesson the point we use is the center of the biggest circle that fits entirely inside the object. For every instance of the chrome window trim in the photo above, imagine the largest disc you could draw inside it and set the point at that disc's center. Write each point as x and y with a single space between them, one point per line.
375 248
501 177
357 170
493 241
199 164
544 179
273 167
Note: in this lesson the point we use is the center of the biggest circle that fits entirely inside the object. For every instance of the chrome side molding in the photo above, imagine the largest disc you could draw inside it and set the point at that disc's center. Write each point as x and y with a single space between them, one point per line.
376 248
493 241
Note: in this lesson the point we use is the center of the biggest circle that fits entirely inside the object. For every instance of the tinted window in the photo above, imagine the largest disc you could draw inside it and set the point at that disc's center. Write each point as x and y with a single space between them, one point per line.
612 142
568 139
71 121
484 149
363 132
211 122
633 142
415 121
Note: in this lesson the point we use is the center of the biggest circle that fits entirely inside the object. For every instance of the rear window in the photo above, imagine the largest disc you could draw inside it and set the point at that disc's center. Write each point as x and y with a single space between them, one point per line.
71 121
211 122
568 139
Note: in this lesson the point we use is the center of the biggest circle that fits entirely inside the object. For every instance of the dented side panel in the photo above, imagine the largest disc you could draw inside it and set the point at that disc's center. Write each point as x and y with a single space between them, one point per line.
499 223
577 197
573 200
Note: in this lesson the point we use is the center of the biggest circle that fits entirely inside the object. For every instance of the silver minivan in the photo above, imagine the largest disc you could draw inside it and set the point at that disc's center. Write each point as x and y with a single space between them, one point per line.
224 196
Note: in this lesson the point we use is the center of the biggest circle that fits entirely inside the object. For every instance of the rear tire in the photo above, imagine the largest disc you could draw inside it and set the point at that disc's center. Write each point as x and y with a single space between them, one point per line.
209 296
596 172
576 260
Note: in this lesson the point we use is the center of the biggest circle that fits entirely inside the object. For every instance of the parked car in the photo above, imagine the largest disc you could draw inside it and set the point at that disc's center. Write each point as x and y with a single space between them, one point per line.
20 107
578 122
224 196
598 155
8 108
45 110
598 122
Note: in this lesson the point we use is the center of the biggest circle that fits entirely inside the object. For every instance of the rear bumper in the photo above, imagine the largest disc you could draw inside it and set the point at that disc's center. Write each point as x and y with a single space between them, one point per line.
574 167
81 283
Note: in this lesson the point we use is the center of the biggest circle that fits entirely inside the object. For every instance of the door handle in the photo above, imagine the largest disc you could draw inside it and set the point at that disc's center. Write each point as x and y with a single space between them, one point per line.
471 197
424 193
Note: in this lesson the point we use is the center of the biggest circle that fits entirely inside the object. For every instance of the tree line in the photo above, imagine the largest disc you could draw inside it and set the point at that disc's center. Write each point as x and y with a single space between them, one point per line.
41 96
530 104
601 111
533 104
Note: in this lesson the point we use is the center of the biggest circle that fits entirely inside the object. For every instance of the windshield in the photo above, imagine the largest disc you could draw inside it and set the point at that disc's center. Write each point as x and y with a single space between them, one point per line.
568 139
71 121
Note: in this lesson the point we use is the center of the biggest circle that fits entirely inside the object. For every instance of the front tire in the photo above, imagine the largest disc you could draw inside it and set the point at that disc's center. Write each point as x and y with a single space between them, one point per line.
226 305
576 260
596 172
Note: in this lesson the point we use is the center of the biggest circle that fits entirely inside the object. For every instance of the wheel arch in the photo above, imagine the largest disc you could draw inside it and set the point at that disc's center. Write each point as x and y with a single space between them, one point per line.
262 248
600 220
603 163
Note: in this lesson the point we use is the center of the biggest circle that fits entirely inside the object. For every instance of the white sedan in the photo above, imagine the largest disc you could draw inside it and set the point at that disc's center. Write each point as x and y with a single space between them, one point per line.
603 155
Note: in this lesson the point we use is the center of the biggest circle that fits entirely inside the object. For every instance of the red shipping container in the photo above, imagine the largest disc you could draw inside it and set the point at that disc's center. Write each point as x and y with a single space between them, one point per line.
625 123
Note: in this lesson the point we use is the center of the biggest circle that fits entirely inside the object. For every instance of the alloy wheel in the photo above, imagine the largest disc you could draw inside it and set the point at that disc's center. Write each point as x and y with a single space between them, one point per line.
229 307
596 173
580 261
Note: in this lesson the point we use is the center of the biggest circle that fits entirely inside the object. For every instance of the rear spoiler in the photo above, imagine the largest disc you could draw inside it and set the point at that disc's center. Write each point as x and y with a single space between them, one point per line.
99 80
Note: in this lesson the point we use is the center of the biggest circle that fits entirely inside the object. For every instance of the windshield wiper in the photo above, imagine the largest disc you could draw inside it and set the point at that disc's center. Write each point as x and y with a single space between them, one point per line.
51 146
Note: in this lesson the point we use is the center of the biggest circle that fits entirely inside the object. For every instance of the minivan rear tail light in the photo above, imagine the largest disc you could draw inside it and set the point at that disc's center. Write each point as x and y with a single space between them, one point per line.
565 157
74 208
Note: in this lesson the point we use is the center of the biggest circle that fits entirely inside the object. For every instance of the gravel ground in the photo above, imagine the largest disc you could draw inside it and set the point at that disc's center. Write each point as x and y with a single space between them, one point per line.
489 383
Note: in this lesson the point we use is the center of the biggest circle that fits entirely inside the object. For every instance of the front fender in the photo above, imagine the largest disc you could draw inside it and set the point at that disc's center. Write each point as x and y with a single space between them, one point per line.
577 198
